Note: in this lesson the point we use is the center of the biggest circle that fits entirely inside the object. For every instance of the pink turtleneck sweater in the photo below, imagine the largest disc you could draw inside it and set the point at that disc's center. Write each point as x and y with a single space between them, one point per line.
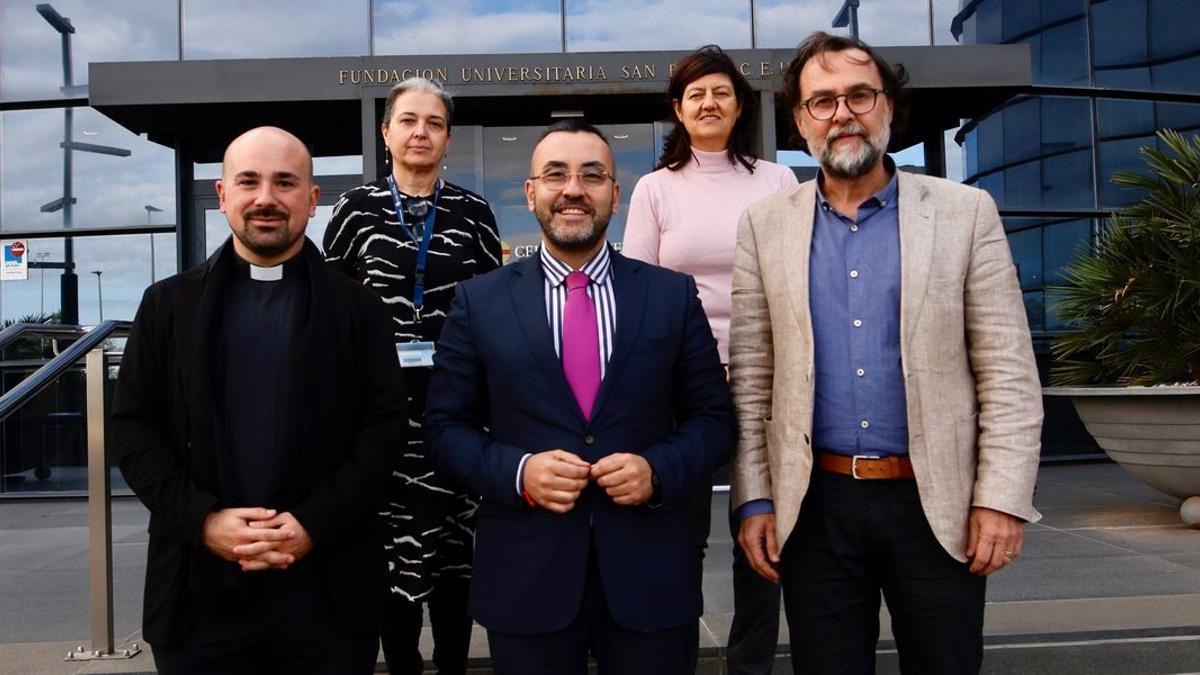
687 220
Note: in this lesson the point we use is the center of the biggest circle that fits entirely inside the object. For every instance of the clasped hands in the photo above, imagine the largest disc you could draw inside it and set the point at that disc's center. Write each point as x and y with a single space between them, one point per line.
554 479
256 538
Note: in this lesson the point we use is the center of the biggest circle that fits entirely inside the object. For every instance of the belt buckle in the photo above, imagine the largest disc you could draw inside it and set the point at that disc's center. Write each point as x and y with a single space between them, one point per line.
854 465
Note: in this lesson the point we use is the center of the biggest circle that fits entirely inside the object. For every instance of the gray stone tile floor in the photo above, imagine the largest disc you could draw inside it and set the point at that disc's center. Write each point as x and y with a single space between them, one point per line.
1109 582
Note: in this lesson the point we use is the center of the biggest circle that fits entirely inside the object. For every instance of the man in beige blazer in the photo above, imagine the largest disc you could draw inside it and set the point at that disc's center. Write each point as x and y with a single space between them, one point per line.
884 377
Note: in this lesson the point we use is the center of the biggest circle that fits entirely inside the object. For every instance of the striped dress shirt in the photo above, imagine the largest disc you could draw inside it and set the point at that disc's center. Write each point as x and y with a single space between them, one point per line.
600 290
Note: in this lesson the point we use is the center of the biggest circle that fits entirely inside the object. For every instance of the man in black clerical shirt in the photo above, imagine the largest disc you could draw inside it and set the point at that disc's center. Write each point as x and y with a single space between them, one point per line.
257 400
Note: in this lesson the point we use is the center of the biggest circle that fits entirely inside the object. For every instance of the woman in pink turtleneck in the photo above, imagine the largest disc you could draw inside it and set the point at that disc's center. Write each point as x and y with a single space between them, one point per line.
685 214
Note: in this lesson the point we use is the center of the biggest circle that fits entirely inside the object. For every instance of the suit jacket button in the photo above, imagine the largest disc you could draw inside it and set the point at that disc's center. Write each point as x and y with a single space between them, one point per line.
589 439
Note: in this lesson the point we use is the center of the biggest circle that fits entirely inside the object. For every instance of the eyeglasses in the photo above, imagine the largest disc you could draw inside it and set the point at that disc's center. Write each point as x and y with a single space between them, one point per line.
556 179
859 102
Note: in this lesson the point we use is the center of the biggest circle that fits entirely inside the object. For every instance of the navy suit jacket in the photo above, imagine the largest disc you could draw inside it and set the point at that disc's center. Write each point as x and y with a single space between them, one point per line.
498 392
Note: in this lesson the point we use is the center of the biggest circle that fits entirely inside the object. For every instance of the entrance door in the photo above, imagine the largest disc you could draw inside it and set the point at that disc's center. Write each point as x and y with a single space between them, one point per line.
506 153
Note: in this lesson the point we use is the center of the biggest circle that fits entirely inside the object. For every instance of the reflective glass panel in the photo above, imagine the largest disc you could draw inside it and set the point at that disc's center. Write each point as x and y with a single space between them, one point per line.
506 164
31 59
784 23
614 25
109 190
231 29
1127 126
1146 44
45 440
1054 30
416 27
124 264
1026 249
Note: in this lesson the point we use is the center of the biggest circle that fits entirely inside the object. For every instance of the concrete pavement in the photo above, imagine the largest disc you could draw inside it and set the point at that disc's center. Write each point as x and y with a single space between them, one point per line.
1109 582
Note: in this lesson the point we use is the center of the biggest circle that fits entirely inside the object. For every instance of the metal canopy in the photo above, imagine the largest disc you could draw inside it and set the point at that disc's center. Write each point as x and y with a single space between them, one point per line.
202 105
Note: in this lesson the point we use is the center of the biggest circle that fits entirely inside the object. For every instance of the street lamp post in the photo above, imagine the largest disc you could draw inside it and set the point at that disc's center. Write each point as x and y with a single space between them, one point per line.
848 16
70 282
40 258
99 293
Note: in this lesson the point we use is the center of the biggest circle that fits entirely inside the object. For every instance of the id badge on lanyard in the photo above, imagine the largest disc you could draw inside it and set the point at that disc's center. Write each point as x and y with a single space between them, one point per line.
418 299
415 354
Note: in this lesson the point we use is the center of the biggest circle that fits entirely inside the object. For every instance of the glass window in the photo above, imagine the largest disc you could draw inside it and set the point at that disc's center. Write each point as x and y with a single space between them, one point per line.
1119 33
612 25
414 27
1123 118
1126 127
1060 55
1120 155
232 29
1173 24
31 64
109 190
1176 74
506 165
124 263
784 23
1021 125
1146 44
1061 242
1035 310
1066 123
1026 249
989 137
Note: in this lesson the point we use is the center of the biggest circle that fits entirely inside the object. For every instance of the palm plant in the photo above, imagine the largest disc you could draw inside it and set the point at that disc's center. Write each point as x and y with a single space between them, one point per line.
1133 301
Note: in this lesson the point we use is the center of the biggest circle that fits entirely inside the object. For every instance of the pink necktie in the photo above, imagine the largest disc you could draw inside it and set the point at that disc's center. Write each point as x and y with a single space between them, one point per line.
580 343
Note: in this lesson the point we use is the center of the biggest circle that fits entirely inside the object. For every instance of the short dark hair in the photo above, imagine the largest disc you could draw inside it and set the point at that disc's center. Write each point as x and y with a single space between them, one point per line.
894 78
573 125
419 84
677 146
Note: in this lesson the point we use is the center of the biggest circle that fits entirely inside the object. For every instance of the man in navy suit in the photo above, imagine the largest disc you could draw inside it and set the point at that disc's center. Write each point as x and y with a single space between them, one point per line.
580 393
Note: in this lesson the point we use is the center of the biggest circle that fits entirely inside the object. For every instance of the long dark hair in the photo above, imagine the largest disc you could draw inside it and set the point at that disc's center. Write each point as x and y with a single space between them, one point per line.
677 147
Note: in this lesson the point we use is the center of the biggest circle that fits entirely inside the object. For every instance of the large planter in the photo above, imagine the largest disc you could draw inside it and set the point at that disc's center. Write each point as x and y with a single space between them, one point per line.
1154 432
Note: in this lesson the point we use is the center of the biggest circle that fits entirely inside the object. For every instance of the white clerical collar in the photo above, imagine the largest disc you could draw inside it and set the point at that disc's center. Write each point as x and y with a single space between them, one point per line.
273 273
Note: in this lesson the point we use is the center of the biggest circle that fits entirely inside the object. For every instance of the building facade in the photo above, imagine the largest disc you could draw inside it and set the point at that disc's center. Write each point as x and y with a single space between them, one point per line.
113 116
1107 75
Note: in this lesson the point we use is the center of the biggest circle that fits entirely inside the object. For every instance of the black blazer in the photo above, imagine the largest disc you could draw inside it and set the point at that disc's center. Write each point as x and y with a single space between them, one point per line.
498 391
344 409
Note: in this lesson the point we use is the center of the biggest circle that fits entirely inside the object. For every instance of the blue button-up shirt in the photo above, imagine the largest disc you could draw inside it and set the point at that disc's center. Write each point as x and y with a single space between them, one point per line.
854 293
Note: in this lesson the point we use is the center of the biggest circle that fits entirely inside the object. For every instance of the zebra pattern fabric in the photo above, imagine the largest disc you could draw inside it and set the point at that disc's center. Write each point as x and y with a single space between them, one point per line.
428 524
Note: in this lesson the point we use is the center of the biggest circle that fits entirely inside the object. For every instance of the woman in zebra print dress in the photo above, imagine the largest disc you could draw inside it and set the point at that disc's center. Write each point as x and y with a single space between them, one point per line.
428 524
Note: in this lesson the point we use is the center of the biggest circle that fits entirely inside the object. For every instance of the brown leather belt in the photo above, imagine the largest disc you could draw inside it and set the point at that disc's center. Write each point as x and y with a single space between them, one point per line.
868 467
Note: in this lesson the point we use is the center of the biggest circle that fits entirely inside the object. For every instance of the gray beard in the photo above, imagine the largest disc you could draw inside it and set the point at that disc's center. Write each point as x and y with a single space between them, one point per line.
845 166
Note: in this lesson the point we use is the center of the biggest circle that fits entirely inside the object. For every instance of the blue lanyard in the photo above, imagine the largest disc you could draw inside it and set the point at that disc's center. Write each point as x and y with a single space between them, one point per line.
423 245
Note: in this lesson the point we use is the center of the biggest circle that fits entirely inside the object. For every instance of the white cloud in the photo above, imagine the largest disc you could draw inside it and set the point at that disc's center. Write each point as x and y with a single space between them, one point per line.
31 51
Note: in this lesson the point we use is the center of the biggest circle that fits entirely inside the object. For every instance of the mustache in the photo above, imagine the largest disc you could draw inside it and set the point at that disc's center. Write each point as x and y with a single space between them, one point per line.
267 212
848 129
573 203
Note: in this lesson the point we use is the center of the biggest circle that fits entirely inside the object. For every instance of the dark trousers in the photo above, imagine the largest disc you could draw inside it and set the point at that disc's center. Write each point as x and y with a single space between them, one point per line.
754 633
854 539
618 650
448 619
279 622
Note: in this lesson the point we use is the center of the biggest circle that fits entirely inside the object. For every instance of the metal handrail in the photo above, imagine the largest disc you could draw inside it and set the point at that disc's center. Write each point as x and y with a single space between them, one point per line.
43 377
44 330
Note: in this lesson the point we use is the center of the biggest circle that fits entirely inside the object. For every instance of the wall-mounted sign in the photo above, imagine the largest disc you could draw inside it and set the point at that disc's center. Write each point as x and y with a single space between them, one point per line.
15 265
538 73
